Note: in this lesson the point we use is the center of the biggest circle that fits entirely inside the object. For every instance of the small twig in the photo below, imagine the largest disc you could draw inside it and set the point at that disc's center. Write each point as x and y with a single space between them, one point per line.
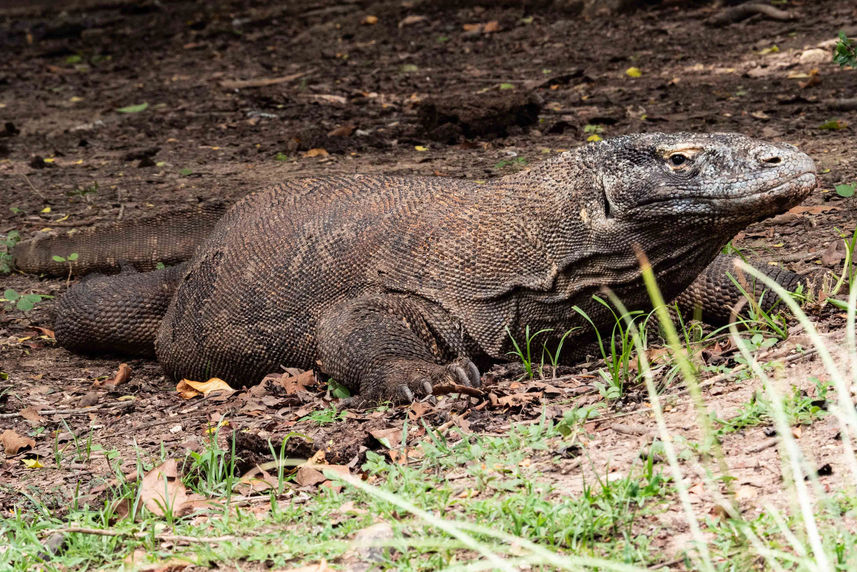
457 388
81 411
768 443
33 187
849 104
260 82
163 537
795 257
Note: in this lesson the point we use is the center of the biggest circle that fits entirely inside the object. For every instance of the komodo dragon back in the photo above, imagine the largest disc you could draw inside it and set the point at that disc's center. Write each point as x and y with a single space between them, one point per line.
392 285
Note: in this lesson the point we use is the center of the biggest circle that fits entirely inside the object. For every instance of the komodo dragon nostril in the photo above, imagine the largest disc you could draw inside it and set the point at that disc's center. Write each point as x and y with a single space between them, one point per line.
772 160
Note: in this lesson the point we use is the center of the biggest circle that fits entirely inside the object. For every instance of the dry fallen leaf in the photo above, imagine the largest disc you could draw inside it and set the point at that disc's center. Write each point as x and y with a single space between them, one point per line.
834 253
14 443
813 79
256 481
161 490
122 375
370 20
411 20
342 131
294 383
188 389
518 399
31 415
311 474
316 152
307 477
389 438
491 27
45 332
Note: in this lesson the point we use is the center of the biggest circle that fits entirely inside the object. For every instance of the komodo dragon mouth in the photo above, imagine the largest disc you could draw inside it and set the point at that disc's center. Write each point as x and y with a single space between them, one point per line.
795 188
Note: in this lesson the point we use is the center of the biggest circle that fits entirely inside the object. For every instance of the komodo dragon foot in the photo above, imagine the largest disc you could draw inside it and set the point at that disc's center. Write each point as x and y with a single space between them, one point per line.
386 348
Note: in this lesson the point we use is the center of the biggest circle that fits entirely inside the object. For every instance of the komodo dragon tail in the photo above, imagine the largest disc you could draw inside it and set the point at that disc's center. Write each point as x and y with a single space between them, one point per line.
169 238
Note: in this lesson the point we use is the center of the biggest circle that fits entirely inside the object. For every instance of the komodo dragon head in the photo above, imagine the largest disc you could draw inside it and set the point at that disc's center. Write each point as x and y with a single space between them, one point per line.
722 181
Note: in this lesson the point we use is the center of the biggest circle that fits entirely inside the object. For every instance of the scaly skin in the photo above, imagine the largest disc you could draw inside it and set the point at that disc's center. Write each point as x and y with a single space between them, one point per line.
392 285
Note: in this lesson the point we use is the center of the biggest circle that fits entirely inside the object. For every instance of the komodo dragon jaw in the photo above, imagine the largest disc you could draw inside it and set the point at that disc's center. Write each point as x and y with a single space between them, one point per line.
393 285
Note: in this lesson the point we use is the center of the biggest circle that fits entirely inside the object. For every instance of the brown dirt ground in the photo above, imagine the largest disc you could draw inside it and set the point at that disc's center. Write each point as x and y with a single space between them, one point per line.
358 90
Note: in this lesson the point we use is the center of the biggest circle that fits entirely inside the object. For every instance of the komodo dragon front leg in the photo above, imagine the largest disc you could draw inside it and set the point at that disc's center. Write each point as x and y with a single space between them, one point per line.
384 347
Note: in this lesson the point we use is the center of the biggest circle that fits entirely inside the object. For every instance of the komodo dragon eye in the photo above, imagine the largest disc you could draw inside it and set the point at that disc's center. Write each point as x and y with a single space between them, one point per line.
677 159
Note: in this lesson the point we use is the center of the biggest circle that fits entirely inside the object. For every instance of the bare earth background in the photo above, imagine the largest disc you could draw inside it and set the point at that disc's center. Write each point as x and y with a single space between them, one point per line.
242 94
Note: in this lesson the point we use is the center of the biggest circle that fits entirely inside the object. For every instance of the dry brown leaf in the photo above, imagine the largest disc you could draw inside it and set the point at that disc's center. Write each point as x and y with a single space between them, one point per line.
307 477
161 490
188 388
294 383
120 510
122 375
31 415
491 27
45 332
518 399
370 20
316 152
404 457
89 399
13 443
389 438
834 253
418 409
813 79
256 481
342 131
311 474
411 20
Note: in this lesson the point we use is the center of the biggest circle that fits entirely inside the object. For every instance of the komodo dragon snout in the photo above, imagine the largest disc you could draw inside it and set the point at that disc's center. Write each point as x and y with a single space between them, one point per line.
392 285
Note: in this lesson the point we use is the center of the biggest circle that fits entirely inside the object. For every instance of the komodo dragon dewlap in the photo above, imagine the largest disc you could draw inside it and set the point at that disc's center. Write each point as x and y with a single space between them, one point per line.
392 285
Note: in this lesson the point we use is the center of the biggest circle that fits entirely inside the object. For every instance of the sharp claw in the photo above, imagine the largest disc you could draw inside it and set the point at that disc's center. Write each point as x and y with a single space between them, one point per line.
427 388
473 374
406 393
458 372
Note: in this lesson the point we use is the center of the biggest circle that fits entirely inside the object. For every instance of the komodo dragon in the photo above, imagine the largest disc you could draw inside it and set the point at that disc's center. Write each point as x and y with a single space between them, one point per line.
392 285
